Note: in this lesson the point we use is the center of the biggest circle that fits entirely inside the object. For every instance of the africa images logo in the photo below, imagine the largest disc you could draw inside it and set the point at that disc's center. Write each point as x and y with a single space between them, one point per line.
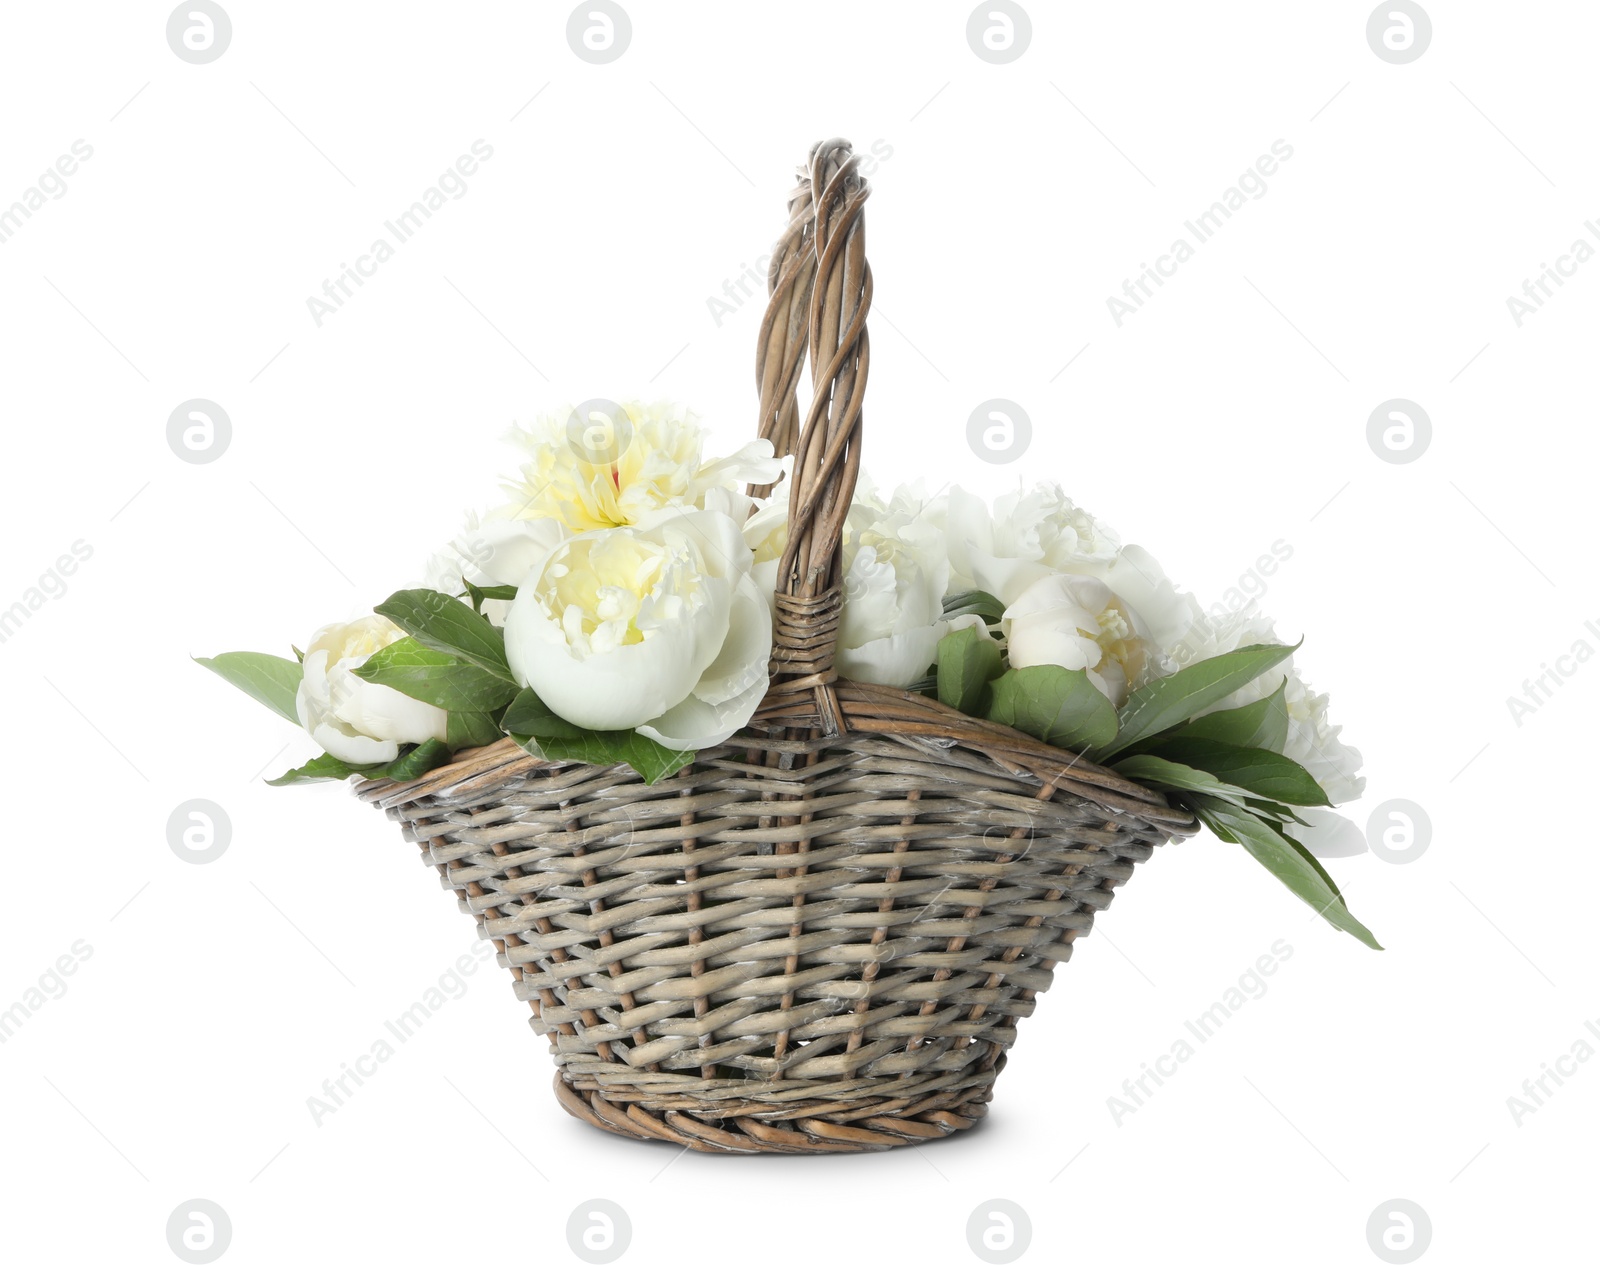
1252 185
52 183
450 186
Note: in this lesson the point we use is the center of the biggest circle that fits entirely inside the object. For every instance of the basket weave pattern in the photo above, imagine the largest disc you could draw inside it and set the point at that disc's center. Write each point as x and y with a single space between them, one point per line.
821 936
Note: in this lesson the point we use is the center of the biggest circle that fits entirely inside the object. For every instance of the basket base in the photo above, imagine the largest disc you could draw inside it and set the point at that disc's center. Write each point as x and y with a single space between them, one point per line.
739 1130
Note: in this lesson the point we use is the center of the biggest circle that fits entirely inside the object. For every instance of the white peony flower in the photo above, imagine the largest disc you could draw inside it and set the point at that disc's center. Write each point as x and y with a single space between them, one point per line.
1077 621
355 720
1029 534
896 573
495 551
1033 533
613 472
656 627
1077 598
1168 613
766 533
1313 741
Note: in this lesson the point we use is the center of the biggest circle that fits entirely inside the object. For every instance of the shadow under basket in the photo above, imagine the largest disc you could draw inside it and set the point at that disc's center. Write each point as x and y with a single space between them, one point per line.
818 937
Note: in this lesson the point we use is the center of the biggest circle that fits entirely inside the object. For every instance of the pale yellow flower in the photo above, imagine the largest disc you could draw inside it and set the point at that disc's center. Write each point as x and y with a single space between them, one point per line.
617 468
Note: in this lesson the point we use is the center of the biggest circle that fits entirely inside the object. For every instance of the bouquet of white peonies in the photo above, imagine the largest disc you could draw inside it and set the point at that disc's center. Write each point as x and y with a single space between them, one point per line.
617 607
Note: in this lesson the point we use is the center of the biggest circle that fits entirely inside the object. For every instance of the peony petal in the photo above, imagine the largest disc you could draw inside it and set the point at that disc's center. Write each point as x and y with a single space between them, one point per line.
506 551
695 724
1032 646
311 696
1168 612
384 713
968 531
746 651
765 575
1062 597
354 748
754 463
898 660
870 606
719 538
620 689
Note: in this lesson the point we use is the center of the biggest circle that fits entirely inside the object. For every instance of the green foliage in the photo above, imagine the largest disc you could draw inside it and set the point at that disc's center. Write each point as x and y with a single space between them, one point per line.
1264 724
264 677
1055 705
1263 774
471 729
411 763
1242 795
986 606
540 732
442 623
1169 700
968 661
489 593
436 677
1151 770
1286 860
1226 767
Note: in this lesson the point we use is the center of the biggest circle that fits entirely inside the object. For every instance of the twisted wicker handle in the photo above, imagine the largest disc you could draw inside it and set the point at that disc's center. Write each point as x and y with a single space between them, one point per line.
819 272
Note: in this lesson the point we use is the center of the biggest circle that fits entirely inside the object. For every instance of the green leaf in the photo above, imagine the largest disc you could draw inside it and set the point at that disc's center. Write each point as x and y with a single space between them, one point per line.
1156 771
470 729
442 623
1055 705
1264 724
1266 808
1262 808
652 761
1288 862
414 763
1264 774
487 593
968 661
1206 807
264 677
1167 701
529 716
325 768
411 763
433 676
975 602
540 732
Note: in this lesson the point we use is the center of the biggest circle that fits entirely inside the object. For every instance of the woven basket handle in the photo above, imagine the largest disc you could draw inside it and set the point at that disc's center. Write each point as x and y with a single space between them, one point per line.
820 290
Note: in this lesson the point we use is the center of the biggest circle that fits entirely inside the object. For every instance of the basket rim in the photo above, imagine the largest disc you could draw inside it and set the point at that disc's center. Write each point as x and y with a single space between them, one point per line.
866 711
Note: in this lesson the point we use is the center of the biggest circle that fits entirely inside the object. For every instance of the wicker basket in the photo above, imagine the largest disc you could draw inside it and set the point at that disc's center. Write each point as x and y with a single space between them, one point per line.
820 936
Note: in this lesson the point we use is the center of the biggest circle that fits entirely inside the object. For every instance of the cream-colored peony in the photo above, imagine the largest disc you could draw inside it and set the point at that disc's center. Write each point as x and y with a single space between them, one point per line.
1035 532
896 573
1167 612
1076 621
355 720
1030 533
615 470
656 627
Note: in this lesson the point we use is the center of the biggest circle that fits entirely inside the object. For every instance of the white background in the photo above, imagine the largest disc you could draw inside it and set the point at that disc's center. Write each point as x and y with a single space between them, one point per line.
1229 413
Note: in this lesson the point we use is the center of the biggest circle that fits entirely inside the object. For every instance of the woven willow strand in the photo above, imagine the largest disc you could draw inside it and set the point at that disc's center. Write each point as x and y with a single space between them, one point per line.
821 936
